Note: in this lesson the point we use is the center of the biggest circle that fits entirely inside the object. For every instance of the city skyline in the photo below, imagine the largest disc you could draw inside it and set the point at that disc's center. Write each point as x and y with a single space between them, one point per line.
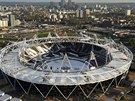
109 1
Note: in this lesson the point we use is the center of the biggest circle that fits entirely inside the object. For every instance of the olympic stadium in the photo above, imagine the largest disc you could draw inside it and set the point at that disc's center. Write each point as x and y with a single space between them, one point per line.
65 65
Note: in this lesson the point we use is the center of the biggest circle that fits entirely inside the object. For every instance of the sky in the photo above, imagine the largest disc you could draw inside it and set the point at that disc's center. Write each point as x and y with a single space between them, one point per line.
115 1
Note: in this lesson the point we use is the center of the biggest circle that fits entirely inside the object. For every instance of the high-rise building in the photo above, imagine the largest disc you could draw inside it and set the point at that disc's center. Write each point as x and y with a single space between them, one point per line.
128 12
69 2
62 3
80 13
77 13
11 20
85 6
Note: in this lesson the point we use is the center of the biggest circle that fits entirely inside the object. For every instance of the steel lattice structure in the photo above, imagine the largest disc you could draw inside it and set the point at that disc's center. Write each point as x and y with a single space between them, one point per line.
15 62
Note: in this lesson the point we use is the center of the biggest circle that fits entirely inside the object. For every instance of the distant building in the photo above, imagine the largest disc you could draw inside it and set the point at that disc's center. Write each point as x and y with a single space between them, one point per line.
4 8
86 12
85 6
128 12
79 13
53 17
60 16
11 20
17 22
62 3
69 2
98 6
3 23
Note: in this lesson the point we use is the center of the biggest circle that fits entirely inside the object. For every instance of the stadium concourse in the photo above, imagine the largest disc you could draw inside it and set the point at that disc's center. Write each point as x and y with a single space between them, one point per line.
69 65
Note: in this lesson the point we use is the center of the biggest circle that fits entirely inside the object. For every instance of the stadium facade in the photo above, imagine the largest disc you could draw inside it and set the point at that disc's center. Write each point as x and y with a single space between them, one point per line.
67 65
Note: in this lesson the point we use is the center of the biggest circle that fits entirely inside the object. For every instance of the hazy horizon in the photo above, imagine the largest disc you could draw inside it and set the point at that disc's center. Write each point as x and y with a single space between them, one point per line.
100 1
